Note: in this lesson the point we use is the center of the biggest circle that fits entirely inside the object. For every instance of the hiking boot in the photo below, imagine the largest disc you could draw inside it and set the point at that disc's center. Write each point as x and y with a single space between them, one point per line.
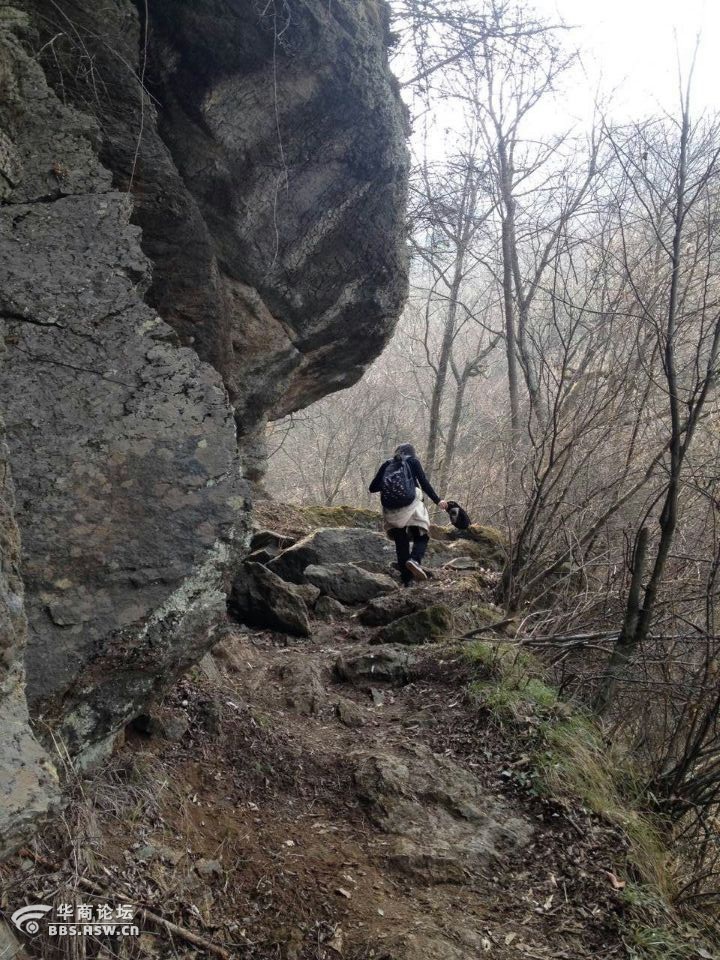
416 570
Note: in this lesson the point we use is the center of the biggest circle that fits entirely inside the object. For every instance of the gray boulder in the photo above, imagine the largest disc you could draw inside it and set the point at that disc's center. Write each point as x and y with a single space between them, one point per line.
304 690
306 591
261 599
383 610
328 609
349 714
347 582
370 550
423 626
444 824
387 664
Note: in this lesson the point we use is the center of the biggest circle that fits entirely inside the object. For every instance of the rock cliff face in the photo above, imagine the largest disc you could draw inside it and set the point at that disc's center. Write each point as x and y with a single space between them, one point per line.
200 228
268 175
28 782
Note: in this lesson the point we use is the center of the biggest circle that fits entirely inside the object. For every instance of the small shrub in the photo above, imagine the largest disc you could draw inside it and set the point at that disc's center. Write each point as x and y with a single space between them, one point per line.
513 702
511 690
502 659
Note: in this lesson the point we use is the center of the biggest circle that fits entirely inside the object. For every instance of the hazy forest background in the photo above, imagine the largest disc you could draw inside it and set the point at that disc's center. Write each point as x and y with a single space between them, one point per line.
556 367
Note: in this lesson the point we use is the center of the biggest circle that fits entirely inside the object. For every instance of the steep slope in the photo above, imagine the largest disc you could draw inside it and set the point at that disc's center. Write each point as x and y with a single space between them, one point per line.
328 796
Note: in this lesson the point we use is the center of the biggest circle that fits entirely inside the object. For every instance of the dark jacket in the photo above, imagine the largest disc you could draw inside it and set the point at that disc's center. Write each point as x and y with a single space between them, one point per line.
418 473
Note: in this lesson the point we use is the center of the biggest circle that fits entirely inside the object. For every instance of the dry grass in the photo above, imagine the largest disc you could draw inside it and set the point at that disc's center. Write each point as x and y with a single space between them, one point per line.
570 760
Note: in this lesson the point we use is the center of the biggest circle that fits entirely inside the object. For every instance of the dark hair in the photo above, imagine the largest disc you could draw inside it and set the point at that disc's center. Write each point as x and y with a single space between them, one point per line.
405 450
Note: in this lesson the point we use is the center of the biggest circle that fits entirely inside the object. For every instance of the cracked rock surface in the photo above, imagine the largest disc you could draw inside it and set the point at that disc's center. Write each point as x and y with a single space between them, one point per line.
201 227
28 782
444 826
122 442
269 180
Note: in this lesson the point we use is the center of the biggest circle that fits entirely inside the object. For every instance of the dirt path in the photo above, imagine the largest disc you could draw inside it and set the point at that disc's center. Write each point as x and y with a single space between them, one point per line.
295 815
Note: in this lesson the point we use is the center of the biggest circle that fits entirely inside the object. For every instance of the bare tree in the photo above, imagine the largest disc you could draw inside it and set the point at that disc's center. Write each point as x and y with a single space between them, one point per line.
538 187
673 171
450 209
435 36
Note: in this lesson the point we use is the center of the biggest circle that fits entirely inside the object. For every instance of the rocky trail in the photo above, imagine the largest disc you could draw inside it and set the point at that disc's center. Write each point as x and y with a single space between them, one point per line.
203 230
338 794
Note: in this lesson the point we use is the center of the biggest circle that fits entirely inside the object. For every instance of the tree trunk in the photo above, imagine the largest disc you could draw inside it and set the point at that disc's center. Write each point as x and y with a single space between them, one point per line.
637 621
438 392
453 431
625 644
509 312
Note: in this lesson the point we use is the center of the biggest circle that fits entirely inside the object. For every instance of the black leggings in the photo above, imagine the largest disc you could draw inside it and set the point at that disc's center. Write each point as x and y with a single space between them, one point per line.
402 537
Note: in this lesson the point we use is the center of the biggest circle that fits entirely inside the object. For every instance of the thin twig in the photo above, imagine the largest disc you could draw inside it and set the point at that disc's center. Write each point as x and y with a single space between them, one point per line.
146 914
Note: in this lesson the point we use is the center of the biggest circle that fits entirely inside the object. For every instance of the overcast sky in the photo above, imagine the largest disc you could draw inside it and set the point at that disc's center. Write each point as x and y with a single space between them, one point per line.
629 51
631 45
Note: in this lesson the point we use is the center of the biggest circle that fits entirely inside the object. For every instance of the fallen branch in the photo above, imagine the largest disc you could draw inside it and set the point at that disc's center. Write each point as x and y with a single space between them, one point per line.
500 625
146 914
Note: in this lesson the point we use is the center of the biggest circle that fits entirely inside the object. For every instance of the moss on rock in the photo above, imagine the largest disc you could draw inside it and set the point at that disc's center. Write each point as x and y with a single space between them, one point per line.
486 544
440 533
342 516
423 626
483 615
439 552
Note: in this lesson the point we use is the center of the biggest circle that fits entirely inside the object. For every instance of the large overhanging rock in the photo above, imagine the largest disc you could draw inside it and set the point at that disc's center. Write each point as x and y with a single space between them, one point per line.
269 180
235 234
122 442
304 199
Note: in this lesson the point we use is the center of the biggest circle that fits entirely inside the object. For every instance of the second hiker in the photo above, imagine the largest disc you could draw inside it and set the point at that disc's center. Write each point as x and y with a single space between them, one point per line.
401 482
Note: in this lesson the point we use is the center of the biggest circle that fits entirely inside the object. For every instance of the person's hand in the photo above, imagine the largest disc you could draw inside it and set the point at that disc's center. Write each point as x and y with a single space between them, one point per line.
443 504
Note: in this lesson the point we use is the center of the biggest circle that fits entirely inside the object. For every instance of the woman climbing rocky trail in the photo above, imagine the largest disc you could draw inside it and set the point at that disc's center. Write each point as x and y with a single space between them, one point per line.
246 248
401 483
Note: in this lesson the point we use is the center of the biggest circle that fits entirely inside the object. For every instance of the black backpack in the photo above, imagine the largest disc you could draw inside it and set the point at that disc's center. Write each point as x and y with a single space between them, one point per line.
398 485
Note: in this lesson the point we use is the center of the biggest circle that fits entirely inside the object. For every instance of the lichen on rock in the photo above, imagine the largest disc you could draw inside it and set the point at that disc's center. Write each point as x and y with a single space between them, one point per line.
122 443
422 626
28 781
177 267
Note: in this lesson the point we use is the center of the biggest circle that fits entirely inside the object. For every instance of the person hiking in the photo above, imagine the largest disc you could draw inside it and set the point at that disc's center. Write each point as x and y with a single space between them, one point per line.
401 482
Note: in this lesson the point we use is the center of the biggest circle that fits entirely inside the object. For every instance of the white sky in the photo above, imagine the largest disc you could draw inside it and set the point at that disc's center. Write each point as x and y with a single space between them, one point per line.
629 47
629 51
